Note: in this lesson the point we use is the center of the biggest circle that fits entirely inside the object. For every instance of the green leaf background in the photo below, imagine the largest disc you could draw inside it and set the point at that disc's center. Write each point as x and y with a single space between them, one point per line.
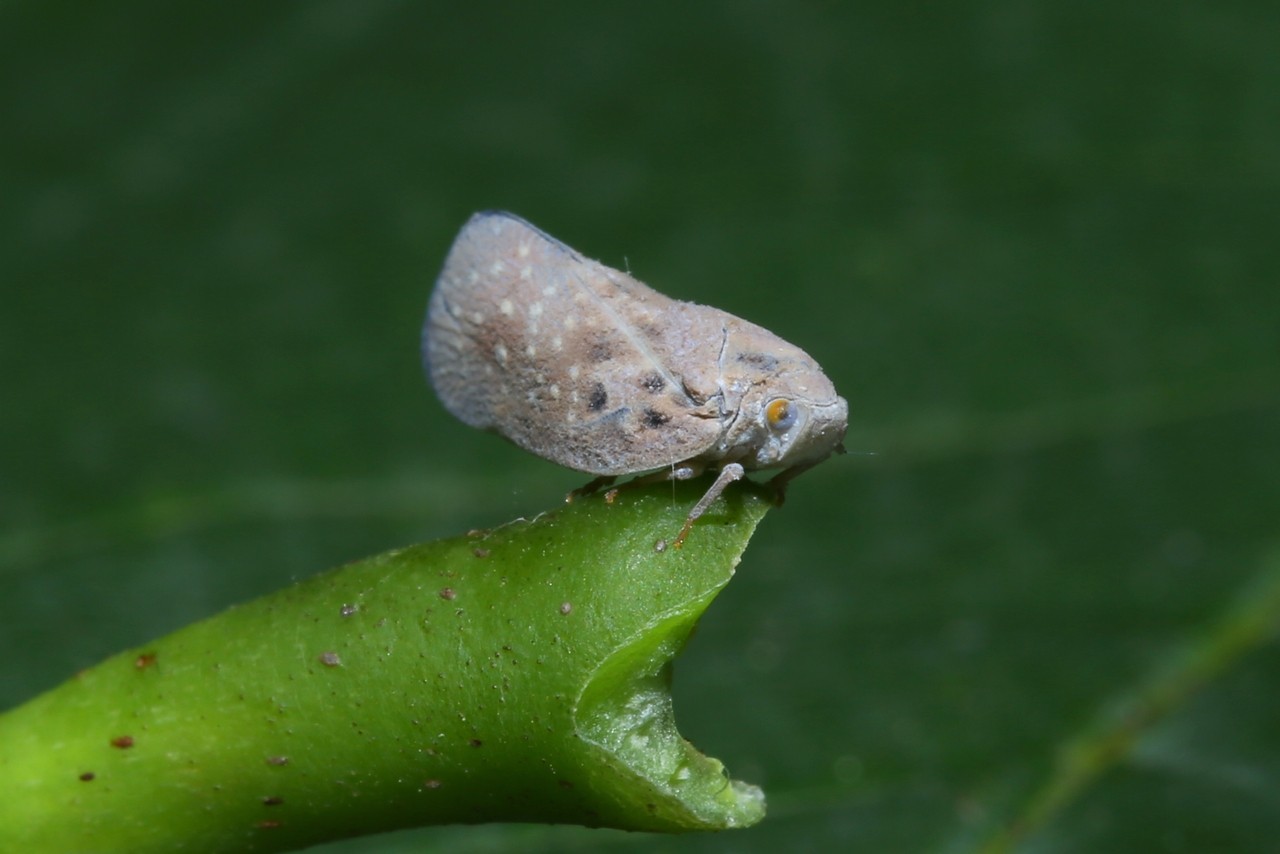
1034 245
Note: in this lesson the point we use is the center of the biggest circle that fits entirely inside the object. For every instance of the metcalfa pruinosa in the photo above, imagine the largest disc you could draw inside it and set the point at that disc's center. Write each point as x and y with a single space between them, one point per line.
585 366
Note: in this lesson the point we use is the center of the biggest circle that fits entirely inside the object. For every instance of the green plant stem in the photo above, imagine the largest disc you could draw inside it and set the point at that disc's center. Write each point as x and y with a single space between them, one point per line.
521 674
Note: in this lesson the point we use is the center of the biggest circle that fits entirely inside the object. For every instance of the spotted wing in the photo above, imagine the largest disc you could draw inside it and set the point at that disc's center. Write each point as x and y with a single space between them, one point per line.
570 359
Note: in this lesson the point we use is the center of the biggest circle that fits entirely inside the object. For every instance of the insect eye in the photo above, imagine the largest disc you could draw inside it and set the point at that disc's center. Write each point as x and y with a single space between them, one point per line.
780 414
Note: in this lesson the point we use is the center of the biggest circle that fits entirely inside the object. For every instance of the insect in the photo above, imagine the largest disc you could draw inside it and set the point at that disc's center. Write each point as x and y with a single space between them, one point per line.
588 367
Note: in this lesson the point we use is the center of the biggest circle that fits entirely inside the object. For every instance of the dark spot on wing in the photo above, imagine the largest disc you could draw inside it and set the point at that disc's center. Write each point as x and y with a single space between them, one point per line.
601 351
763 361
654 418
653 383
598 398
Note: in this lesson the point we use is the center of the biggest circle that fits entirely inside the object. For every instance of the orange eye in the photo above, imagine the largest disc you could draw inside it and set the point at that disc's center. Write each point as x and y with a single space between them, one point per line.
780 414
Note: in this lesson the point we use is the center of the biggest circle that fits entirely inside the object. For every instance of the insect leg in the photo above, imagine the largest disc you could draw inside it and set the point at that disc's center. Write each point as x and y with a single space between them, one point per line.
594 486
728 474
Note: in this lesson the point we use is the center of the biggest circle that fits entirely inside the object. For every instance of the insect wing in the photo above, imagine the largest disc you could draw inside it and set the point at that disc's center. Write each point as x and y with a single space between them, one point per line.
576 362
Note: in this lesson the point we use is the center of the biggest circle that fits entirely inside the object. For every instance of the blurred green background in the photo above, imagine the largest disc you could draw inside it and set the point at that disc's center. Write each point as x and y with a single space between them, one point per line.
1034 245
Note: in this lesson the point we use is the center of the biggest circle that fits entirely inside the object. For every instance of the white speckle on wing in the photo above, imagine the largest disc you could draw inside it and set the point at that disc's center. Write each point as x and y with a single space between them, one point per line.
500 353
557 343
497 268
477 318
523 250
526 272
574 372
549 291
554 391
535 309
506 307
570 322
531 351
